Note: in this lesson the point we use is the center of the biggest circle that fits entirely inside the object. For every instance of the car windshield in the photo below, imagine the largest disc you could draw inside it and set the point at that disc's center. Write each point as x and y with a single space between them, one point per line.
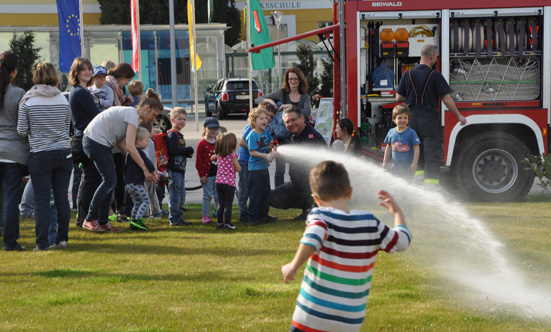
240 85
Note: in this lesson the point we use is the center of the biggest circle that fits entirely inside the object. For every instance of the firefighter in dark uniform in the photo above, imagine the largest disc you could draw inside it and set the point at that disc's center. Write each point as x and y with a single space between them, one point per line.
297 194
421 88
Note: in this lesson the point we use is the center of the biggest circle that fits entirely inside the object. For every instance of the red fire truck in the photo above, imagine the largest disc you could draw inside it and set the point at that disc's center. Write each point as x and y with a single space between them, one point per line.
496 57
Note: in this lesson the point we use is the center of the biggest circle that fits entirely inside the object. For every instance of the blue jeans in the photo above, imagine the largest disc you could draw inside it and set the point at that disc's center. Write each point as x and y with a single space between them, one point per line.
243 193
27 208
259 194
27 201
209 190
102 157
77 175
89 183
160 189
177 195
1 209
52 231
51 170
11 175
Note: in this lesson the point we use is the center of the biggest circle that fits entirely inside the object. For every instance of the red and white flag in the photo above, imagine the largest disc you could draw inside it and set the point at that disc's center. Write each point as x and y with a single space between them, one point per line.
135 17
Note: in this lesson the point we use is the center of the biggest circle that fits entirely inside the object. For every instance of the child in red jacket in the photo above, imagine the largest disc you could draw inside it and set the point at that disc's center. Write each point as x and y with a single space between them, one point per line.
207 168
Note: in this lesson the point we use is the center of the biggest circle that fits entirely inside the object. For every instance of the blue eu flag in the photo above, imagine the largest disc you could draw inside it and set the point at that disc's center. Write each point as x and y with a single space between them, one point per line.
69 33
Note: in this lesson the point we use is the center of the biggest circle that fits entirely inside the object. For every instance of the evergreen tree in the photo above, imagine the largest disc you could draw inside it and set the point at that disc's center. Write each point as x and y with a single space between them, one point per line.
232 17
307 65
326 78
23 45
156 12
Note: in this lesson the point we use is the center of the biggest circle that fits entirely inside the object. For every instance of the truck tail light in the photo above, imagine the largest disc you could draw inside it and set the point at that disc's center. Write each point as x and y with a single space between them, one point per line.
260 94
225 96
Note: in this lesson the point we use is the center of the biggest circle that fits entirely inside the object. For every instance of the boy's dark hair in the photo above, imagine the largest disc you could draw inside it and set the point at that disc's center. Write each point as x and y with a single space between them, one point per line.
135 88
329 181
268 107
401 109
225 144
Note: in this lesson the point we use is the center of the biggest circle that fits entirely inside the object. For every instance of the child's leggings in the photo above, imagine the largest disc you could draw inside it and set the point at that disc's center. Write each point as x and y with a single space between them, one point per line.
225 198
140 198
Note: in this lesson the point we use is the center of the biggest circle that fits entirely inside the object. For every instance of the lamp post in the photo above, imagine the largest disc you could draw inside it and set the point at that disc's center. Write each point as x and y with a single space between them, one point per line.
277 15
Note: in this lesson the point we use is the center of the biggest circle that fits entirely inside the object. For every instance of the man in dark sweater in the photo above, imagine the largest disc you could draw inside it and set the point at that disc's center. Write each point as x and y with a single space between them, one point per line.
297 194
421 88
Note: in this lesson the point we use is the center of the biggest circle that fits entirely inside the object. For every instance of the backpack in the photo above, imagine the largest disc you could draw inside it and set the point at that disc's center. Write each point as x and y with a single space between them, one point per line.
161 150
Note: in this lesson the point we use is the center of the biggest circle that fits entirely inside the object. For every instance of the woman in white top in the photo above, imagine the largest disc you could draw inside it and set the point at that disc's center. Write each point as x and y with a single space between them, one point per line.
45 117
115 126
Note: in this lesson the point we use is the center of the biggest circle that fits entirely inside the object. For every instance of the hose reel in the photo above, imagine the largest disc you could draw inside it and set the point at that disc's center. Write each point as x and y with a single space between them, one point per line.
502 35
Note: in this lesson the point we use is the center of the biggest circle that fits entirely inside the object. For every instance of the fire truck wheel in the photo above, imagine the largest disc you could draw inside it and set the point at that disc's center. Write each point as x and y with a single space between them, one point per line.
163 122
490 168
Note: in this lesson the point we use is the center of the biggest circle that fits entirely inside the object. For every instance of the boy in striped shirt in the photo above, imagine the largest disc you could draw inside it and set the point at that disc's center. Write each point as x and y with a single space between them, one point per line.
341 246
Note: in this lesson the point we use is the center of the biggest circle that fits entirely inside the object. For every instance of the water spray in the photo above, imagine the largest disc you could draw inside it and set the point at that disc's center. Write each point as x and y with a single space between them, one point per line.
458 246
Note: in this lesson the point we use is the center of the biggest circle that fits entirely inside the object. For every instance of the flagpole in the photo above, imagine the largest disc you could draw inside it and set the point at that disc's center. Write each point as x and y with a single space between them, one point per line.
195 61
209 10
81 15
172 54
250 67
139 39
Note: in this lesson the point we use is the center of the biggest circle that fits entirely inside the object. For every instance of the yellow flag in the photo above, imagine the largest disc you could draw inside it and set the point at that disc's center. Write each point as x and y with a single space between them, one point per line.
192 51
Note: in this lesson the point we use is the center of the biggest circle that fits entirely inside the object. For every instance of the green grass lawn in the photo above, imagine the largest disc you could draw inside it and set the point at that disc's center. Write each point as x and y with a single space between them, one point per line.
201 279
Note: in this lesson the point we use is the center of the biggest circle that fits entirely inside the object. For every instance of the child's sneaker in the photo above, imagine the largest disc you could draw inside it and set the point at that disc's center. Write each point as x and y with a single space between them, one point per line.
157 216
138 225
206 219
229 226
219 226
113 217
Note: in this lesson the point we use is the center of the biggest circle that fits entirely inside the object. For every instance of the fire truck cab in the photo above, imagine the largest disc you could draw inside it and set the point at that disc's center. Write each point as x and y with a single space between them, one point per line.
496 57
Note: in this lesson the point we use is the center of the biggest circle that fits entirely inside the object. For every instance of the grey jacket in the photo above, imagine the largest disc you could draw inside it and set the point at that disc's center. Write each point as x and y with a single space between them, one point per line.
13 146
304 102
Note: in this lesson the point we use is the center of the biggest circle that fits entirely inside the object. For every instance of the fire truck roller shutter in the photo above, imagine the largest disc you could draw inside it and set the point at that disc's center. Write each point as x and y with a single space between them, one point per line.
489 168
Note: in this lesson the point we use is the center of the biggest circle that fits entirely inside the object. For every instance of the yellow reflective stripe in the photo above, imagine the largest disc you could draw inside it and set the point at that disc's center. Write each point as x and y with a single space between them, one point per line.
432 181
419 173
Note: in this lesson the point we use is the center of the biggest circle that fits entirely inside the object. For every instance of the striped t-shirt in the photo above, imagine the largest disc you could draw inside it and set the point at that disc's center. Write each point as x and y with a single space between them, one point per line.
337 278
46 120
